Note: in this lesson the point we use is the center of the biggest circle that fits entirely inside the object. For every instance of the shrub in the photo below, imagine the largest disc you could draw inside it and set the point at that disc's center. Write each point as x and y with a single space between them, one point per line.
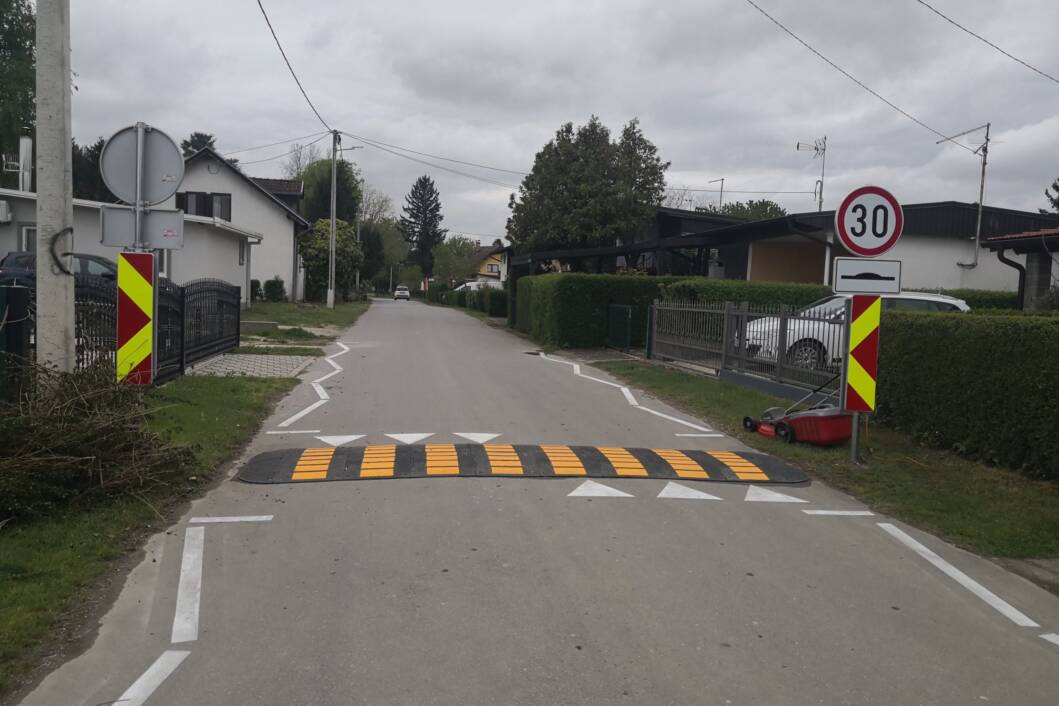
494 301
275 291
981 385
984 298
255 290
704 289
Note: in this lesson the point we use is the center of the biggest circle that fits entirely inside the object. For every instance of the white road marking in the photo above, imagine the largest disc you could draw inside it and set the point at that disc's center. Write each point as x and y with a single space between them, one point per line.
142 688
189 590
410 438
233 518
601 382
336 366
628 396
478 438
840 513
343 346
675 419
996 602
320 391
754 494
328 376
682 492
1051 637
592 489
699 436
299 431
339 440
298 415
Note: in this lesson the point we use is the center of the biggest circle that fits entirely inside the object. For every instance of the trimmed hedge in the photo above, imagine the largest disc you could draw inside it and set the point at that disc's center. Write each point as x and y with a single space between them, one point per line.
984 298
984 386
703 289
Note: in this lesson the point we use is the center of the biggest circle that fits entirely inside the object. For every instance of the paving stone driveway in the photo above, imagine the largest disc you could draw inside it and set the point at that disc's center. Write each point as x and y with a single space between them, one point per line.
251 365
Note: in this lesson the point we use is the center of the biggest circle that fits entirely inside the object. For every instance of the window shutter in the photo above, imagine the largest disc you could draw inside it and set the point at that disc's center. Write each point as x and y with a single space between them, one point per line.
182 201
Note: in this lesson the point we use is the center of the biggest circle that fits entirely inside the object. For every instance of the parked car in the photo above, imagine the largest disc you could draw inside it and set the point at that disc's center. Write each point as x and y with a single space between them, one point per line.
816 334
477 285
402 293
21 268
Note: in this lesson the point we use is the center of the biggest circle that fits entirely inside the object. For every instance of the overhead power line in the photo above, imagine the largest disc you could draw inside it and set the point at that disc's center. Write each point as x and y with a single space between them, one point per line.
442 167
434 156
285 154
273 144
296 80
850 76
733 191
979 37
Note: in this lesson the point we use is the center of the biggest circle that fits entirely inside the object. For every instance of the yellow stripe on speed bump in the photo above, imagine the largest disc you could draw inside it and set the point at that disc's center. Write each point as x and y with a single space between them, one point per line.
564 461
682 464
442 461
378 461
313 464
624 463
503 460
743 469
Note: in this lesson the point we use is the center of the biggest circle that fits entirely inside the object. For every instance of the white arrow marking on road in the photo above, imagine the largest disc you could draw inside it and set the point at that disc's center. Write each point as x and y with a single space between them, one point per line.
676 490
755 494
410 438
339 440
592 489
477 438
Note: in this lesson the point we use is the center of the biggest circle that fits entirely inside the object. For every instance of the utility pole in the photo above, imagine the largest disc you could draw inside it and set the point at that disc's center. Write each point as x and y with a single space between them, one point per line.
720 199
55 210
984 148
335 139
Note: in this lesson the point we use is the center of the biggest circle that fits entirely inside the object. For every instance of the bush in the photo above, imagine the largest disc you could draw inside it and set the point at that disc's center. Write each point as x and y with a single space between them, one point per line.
981 385
494 301
275 291
704 289
984 298
255 290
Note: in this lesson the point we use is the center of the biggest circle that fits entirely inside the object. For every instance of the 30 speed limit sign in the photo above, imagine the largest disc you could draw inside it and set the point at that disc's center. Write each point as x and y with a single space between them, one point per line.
869 221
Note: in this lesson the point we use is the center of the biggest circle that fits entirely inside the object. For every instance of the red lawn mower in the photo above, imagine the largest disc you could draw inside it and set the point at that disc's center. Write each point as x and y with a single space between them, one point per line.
824 423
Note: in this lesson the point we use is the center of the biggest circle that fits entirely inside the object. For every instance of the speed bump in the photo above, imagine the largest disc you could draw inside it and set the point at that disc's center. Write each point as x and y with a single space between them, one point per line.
521 461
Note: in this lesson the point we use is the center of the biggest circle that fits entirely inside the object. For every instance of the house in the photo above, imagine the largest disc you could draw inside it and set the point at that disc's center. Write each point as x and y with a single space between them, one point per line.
214 188
492 263
213 247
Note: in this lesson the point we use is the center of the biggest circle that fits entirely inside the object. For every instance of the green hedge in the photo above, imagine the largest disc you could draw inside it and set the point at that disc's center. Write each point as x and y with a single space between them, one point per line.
734 290
982 385
984 298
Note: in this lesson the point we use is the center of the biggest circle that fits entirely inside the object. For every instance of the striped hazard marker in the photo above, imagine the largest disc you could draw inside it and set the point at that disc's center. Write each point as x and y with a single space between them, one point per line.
862 363
135 317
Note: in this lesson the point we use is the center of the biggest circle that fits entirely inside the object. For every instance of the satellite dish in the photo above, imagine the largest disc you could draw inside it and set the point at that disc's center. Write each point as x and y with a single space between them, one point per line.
163 165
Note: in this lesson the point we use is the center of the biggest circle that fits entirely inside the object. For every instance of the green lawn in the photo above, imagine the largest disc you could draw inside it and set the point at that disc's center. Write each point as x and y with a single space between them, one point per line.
47 565
279 350
992 511
307 314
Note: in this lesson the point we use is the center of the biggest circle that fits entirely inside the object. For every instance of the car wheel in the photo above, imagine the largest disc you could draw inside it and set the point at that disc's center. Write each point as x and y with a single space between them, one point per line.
807 354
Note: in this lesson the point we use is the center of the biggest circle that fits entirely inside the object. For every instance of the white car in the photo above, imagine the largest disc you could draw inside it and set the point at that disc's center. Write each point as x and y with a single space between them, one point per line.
816 336
402 293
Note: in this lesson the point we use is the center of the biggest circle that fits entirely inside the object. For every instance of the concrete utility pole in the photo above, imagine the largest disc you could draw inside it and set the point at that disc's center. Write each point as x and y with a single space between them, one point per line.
335 139
55 210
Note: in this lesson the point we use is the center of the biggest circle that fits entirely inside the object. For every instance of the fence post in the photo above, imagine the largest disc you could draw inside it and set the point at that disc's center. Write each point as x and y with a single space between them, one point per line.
781 344
726 331
649 344
183 328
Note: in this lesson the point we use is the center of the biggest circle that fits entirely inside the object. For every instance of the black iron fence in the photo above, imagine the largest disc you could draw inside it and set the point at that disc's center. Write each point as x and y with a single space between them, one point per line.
192 322
797 346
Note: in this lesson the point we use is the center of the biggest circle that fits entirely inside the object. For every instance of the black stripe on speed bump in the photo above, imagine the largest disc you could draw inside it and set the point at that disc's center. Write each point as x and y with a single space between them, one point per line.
410 462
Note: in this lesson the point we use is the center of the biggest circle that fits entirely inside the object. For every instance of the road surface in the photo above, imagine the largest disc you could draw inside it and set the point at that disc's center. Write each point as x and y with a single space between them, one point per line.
507 590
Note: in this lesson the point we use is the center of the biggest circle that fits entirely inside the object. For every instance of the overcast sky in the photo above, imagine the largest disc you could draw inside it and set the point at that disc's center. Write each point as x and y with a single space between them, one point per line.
718 88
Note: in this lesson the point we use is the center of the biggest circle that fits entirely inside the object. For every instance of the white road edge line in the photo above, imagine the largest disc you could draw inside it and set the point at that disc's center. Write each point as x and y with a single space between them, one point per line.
320 391
329 375
189 591
628 397
345 349
1051 637
698 435
142 688
334 365
840 513
675 419
233 518
996 602
298 431
295 417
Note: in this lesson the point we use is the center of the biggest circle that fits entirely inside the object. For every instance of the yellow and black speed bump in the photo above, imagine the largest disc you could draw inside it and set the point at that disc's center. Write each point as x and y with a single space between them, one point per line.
524 461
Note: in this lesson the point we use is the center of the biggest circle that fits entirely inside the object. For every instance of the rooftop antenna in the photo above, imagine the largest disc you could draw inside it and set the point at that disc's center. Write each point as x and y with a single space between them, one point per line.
819 149
720 199
984 149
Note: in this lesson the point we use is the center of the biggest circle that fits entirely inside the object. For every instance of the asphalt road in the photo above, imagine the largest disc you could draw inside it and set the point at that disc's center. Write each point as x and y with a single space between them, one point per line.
509 591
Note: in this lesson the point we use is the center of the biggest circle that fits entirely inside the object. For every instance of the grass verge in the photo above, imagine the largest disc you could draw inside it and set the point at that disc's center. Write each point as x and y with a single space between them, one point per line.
306 313
992 511
48 567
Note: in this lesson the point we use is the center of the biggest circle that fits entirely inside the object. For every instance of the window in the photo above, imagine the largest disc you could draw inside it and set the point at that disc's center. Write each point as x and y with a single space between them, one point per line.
910 304
28 239
493 269
222 207
242 252
195 203
96 268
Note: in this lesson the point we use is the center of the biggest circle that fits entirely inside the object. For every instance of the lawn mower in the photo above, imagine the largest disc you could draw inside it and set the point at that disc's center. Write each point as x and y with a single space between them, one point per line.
824 423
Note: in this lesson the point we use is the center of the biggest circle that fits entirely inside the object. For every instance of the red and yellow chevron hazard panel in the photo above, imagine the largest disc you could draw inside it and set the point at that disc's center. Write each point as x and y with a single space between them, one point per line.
135 317
862 361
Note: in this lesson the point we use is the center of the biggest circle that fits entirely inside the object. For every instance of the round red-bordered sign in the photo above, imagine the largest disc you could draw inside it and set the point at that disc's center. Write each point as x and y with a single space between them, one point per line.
869 221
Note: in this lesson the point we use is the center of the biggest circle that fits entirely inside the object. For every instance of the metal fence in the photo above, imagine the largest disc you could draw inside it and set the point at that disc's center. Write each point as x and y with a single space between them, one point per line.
796 346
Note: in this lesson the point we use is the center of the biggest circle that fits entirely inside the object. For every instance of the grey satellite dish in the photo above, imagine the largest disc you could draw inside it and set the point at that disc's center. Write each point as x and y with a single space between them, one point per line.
163 165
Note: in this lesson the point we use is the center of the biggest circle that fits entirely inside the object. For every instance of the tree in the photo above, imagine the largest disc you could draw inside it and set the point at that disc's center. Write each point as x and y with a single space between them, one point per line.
421 222
759 210
17 77
376 205
1053 198
587 190
317 201
454 260
315 250
301 156
87 181
197 141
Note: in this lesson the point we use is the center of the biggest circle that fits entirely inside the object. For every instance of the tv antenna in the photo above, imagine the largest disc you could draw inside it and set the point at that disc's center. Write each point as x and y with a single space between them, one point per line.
819 149
984 149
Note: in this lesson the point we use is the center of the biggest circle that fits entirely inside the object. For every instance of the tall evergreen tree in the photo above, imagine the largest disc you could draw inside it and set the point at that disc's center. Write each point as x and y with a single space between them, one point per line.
421 222
87 181
17 78
1052 194
317 201
196 141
